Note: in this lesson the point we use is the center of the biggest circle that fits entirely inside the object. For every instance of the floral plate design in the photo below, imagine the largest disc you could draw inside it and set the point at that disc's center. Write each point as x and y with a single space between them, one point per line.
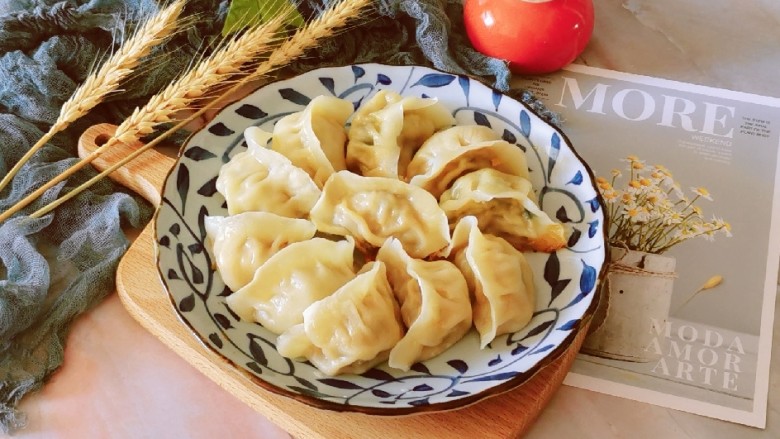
566 280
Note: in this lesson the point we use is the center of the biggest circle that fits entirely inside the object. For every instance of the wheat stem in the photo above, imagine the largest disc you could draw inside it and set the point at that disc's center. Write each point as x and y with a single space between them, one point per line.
196 83
223 64
105 80
324 26
125 160
711 283
306 37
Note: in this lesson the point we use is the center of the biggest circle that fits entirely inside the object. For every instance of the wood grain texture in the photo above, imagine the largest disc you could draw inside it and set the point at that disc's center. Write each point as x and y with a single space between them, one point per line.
144 175
142 294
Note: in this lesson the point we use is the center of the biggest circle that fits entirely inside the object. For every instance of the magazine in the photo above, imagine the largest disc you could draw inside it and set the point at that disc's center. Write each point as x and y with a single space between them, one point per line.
687 323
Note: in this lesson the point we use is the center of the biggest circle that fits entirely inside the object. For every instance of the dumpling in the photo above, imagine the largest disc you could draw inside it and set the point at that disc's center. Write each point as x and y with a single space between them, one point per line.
485 185
350 331
265 181
434 300
505 205
499 277
314 139
372 209
456 151
241 243
291 280
387 130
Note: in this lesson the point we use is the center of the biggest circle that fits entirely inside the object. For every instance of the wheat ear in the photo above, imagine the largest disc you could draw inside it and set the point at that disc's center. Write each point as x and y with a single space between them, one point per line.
324 26
217 69
105 80
305 38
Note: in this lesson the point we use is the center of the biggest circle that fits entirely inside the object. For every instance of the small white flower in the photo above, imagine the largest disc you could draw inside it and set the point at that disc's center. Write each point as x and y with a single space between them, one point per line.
702 192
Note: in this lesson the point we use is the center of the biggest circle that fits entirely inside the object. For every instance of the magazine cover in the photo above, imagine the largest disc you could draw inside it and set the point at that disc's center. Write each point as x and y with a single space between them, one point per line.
689 175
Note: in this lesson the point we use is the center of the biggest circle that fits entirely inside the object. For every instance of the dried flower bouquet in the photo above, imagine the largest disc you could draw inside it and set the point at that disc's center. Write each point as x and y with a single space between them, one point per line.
652 213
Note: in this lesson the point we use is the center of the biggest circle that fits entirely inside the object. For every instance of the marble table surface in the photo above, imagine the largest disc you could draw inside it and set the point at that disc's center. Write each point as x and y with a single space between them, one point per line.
118 381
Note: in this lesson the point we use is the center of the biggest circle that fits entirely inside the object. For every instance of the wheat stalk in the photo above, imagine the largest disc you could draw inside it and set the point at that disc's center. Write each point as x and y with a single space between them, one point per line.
106 79
195 85
215 70
305 38
324 26
711 283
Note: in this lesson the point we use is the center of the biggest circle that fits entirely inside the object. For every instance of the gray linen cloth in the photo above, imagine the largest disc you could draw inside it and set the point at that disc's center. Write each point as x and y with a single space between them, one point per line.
54 268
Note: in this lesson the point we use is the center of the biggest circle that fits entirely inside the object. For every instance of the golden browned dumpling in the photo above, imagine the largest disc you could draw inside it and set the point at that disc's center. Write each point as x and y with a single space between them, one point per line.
505 206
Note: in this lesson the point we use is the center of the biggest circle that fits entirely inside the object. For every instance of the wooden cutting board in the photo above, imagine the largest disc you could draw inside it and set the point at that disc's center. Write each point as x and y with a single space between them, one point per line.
502 416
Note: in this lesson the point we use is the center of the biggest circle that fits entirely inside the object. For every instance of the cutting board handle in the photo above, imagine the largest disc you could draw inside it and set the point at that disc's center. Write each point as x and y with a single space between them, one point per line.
145 175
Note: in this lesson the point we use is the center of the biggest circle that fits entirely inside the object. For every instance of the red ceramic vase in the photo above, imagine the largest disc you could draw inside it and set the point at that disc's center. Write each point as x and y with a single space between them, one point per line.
534 36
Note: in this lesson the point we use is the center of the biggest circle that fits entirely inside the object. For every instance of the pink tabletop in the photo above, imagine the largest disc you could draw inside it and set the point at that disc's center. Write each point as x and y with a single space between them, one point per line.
118 381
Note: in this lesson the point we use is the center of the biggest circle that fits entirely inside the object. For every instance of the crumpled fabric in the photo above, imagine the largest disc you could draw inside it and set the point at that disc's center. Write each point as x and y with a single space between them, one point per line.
414 32
54 268
407 32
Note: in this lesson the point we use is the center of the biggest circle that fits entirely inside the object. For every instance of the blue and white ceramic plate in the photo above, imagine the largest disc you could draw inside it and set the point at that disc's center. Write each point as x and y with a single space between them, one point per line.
566 280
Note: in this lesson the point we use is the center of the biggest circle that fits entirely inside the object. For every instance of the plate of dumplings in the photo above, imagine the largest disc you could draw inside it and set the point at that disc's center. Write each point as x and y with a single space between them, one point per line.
381 239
